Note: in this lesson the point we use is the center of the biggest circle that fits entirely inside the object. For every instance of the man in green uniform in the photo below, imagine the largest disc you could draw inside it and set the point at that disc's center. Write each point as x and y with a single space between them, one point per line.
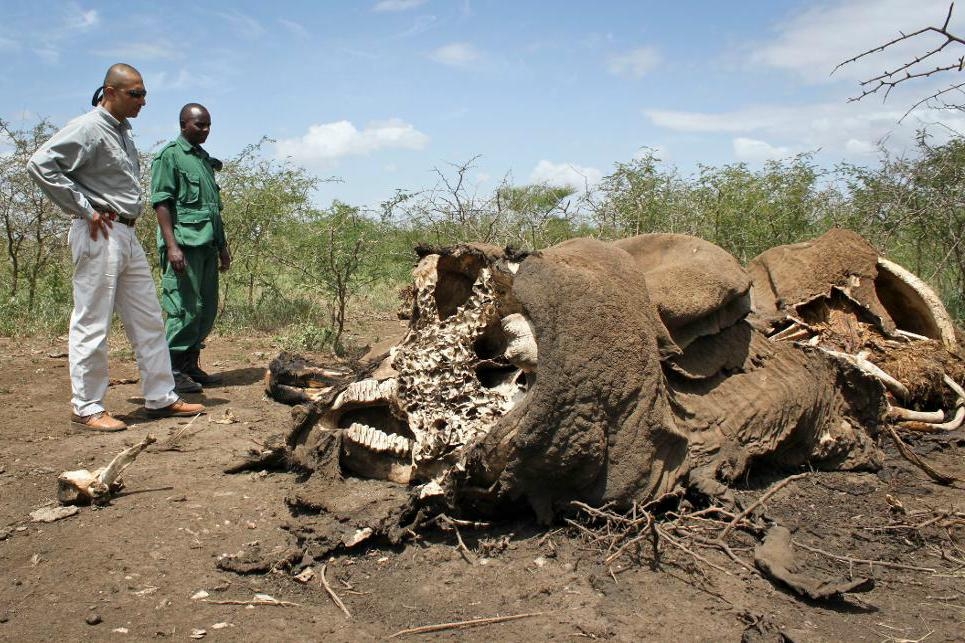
192 244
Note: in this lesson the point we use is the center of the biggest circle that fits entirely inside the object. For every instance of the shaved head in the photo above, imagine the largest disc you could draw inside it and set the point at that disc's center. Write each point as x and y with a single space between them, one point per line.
121 75
195 123
123 93
192 110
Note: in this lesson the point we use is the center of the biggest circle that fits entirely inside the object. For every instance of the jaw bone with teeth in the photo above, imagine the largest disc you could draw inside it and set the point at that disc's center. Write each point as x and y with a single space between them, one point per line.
465 362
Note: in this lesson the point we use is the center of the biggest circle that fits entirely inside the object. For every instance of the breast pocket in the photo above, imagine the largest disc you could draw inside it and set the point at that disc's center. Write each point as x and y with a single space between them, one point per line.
190 188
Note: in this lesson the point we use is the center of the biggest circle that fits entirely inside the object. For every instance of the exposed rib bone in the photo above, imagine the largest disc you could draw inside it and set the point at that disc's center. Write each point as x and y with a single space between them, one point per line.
800 333
931 427
897 388
910 335
952 384
908 415
790 330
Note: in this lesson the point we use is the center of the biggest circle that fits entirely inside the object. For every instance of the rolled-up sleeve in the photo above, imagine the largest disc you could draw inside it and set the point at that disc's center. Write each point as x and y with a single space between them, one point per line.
164 185
50 167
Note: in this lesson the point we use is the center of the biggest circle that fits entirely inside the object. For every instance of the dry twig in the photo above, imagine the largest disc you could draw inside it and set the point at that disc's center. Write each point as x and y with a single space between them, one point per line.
911 456
456 625
333 595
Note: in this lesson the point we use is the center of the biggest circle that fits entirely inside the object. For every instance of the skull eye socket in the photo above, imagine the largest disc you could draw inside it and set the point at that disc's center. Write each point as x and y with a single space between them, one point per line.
456 276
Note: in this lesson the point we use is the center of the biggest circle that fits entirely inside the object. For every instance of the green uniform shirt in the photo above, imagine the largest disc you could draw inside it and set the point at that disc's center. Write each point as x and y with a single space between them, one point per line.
183 176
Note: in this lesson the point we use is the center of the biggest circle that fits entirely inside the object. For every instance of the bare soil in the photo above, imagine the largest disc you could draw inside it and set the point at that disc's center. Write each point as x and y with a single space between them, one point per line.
135 564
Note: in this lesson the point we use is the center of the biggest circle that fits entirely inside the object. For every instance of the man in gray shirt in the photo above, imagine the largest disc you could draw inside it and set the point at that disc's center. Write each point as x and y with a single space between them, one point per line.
90 169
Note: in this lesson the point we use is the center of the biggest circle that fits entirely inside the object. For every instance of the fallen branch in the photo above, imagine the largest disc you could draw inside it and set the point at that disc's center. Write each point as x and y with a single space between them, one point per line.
333 595
744 514
462 624
864 561
911 456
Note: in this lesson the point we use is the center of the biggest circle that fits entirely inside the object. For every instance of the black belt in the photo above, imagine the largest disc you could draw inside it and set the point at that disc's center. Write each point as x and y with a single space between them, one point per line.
116 217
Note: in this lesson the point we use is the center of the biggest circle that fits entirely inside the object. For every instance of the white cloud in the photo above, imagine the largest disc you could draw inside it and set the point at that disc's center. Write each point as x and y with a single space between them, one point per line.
852 129
329 142
568 174
636 63
812 42
397 5
749 149
456 54
9 44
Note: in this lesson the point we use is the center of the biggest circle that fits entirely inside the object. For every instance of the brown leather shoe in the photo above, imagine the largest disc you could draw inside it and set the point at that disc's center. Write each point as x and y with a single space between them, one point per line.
102 421
178 409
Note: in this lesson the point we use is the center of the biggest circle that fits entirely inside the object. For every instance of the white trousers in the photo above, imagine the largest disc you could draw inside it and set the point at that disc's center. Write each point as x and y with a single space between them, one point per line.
112 275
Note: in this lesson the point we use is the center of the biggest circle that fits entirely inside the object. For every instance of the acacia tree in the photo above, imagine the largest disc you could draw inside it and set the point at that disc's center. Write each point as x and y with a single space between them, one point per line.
260 196
34 229
939 59
336 250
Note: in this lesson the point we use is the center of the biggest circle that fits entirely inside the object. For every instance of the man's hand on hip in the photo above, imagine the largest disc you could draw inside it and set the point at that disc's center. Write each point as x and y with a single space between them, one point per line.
101 221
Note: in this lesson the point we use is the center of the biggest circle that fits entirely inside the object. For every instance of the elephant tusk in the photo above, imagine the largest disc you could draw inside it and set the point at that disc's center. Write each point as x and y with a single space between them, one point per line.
908 415
929 427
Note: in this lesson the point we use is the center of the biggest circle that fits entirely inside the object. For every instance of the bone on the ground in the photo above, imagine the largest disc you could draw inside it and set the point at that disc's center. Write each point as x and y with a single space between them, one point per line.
909 415
83 485
933 427
893 385
521 344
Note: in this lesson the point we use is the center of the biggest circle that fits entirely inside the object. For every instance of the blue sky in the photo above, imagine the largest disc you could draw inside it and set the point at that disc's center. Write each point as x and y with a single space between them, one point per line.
381 92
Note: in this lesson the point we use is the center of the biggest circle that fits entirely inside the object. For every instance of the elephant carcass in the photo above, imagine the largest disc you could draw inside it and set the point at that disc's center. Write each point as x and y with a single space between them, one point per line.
838 294
593 371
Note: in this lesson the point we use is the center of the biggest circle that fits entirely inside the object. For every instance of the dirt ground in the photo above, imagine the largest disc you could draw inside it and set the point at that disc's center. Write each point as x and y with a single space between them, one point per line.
135 567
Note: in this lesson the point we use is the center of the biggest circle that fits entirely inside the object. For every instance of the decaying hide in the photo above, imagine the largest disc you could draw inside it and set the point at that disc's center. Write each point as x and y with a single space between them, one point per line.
616 372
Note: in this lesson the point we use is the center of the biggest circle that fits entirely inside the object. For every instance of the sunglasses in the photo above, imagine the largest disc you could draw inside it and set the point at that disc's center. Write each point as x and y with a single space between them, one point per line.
133 93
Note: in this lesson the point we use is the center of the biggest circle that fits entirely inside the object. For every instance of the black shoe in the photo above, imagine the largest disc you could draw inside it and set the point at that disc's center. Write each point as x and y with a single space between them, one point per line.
192 368
183 383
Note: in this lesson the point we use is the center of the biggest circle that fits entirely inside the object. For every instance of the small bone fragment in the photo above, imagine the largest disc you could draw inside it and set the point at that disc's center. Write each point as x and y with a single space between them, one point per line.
85 486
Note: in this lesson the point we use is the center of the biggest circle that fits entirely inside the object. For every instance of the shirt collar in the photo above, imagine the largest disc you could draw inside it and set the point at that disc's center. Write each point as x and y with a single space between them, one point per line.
189 148
107 116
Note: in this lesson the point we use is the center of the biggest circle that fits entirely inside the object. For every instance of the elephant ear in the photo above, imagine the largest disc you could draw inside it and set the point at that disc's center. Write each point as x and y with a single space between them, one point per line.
596 425
787 277
698 288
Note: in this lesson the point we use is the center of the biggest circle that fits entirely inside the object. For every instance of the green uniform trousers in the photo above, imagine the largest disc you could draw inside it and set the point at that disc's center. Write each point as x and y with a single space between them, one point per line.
191 298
